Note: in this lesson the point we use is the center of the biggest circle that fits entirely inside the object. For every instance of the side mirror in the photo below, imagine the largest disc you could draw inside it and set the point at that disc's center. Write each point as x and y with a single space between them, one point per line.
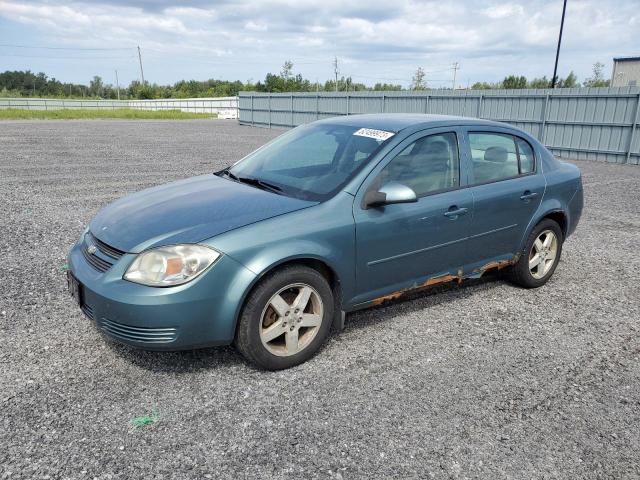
389 193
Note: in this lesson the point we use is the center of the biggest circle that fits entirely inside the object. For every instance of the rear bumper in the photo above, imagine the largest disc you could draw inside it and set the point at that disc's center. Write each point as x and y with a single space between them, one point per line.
198 314
575 210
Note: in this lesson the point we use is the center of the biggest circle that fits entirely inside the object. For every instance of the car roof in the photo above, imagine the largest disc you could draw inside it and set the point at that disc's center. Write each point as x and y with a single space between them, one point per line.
395 122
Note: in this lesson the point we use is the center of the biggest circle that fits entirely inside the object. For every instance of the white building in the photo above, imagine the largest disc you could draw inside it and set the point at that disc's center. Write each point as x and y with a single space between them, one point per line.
626 72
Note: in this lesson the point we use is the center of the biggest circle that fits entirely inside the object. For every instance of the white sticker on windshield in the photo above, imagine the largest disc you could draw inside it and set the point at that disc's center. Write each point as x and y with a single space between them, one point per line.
380 135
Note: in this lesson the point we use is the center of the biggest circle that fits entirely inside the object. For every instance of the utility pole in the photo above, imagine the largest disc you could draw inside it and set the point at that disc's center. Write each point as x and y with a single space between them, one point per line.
140 60
456 67
117 85
555 68
335 70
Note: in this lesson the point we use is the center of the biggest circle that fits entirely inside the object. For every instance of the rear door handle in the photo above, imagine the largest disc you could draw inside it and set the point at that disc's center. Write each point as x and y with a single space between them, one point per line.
528 195
454 212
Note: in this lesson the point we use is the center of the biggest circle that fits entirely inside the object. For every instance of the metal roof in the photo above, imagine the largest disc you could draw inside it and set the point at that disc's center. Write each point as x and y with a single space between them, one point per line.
627 59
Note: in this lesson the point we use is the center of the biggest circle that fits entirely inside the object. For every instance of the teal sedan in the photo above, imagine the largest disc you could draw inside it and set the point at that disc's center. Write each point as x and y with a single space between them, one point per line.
330 217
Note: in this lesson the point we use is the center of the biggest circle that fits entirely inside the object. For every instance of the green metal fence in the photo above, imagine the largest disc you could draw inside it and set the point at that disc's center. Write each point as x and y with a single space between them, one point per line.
583 123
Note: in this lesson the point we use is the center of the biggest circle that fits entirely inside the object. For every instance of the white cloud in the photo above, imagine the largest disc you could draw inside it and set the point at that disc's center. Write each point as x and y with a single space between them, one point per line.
504 11
489 38
255 27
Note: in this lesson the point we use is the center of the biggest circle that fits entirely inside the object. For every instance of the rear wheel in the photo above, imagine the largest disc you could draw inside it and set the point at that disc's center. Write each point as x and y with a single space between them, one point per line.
286 318
540 256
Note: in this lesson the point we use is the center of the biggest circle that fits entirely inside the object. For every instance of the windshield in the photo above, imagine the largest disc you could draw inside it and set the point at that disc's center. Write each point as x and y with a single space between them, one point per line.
311 162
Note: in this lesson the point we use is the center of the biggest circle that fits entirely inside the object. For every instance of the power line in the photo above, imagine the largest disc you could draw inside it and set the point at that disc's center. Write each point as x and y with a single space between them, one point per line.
64 48
62 58
399 79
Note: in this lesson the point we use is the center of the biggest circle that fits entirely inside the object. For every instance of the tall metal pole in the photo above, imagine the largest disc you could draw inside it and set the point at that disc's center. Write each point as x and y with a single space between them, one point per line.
117 85
455 71
555 68
140 60
335 69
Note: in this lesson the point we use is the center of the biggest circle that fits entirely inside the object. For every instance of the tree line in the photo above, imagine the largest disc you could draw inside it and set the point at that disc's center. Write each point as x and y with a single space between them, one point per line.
29 84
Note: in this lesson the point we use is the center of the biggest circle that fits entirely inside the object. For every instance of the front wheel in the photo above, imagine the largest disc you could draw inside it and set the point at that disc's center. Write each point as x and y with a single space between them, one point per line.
540 256
286 318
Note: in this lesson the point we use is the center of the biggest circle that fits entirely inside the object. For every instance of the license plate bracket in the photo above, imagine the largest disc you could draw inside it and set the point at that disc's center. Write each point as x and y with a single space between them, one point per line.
75 288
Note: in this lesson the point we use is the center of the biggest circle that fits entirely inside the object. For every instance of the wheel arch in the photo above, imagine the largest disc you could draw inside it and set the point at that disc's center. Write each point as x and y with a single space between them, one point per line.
560 217
553 211
324 267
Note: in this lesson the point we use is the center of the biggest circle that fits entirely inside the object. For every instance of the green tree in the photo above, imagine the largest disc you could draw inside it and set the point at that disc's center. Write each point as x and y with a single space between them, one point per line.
483 86
96 86
513 82
542 82
287 68
418 82
570 82
597 77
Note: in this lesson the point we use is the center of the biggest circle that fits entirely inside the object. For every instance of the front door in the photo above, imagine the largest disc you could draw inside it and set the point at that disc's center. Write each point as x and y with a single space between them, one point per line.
404 245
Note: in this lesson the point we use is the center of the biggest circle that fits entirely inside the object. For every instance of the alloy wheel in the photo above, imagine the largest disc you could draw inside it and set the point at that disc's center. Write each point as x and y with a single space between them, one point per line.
291 319
543 254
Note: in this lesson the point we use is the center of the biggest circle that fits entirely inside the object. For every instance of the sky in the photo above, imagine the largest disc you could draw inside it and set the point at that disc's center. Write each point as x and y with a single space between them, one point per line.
374 41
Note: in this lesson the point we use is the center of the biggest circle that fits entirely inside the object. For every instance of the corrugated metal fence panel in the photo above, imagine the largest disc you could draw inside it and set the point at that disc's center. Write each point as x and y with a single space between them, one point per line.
635 148
583 123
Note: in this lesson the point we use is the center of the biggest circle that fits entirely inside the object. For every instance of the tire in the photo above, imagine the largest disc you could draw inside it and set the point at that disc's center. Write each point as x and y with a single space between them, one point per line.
522 273
276 330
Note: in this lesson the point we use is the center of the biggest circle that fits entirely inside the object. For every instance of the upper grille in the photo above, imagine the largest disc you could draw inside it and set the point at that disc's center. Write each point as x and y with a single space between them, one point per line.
108 255
106 249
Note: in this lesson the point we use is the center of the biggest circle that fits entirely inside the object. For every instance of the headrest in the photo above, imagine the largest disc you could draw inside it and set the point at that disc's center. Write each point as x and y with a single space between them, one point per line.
496 154
438 148
365 144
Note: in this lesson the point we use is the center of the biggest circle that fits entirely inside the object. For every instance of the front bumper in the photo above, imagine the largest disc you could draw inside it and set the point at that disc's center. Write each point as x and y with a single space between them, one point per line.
198 314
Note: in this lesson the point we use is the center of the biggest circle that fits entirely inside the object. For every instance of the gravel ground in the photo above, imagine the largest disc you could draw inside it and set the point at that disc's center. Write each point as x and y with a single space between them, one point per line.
479 381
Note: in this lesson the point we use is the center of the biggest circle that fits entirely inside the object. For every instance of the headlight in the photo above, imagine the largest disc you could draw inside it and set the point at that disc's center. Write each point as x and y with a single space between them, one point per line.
169 266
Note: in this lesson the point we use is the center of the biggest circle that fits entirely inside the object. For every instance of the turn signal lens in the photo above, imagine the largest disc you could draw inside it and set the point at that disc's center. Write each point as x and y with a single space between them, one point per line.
169 266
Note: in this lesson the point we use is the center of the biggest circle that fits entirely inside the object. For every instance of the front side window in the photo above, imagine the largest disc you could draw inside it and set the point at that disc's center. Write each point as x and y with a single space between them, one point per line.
498 156
312 162
428 165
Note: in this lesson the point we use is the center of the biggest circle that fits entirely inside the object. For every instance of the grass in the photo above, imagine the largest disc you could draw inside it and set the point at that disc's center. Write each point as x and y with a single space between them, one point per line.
89 113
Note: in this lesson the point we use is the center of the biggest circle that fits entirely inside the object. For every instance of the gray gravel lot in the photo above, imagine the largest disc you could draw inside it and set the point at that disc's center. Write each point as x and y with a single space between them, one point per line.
480 381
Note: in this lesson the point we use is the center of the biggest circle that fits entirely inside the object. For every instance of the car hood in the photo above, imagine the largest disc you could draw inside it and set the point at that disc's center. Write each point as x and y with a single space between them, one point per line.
186 211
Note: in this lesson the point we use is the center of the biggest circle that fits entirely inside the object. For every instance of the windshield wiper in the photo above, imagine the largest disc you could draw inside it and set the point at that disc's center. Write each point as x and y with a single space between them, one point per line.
258 183
252 181
228 174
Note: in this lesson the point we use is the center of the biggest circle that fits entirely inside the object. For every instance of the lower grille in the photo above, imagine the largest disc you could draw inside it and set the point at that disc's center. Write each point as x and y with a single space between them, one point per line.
138 334
88 311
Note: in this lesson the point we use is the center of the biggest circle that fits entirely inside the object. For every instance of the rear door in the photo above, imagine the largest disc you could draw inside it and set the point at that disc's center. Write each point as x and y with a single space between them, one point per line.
507 185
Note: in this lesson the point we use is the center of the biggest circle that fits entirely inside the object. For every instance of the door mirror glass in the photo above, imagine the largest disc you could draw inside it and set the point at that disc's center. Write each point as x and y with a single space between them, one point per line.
389 193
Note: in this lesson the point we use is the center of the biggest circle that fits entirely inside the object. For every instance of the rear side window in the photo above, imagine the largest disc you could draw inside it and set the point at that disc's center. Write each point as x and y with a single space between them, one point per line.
499 156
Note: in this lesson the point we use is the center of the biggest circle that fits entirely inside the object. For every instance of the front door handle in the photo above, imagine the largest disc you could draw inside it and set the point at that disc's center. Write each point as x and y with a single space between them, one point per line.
454 212
528 195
